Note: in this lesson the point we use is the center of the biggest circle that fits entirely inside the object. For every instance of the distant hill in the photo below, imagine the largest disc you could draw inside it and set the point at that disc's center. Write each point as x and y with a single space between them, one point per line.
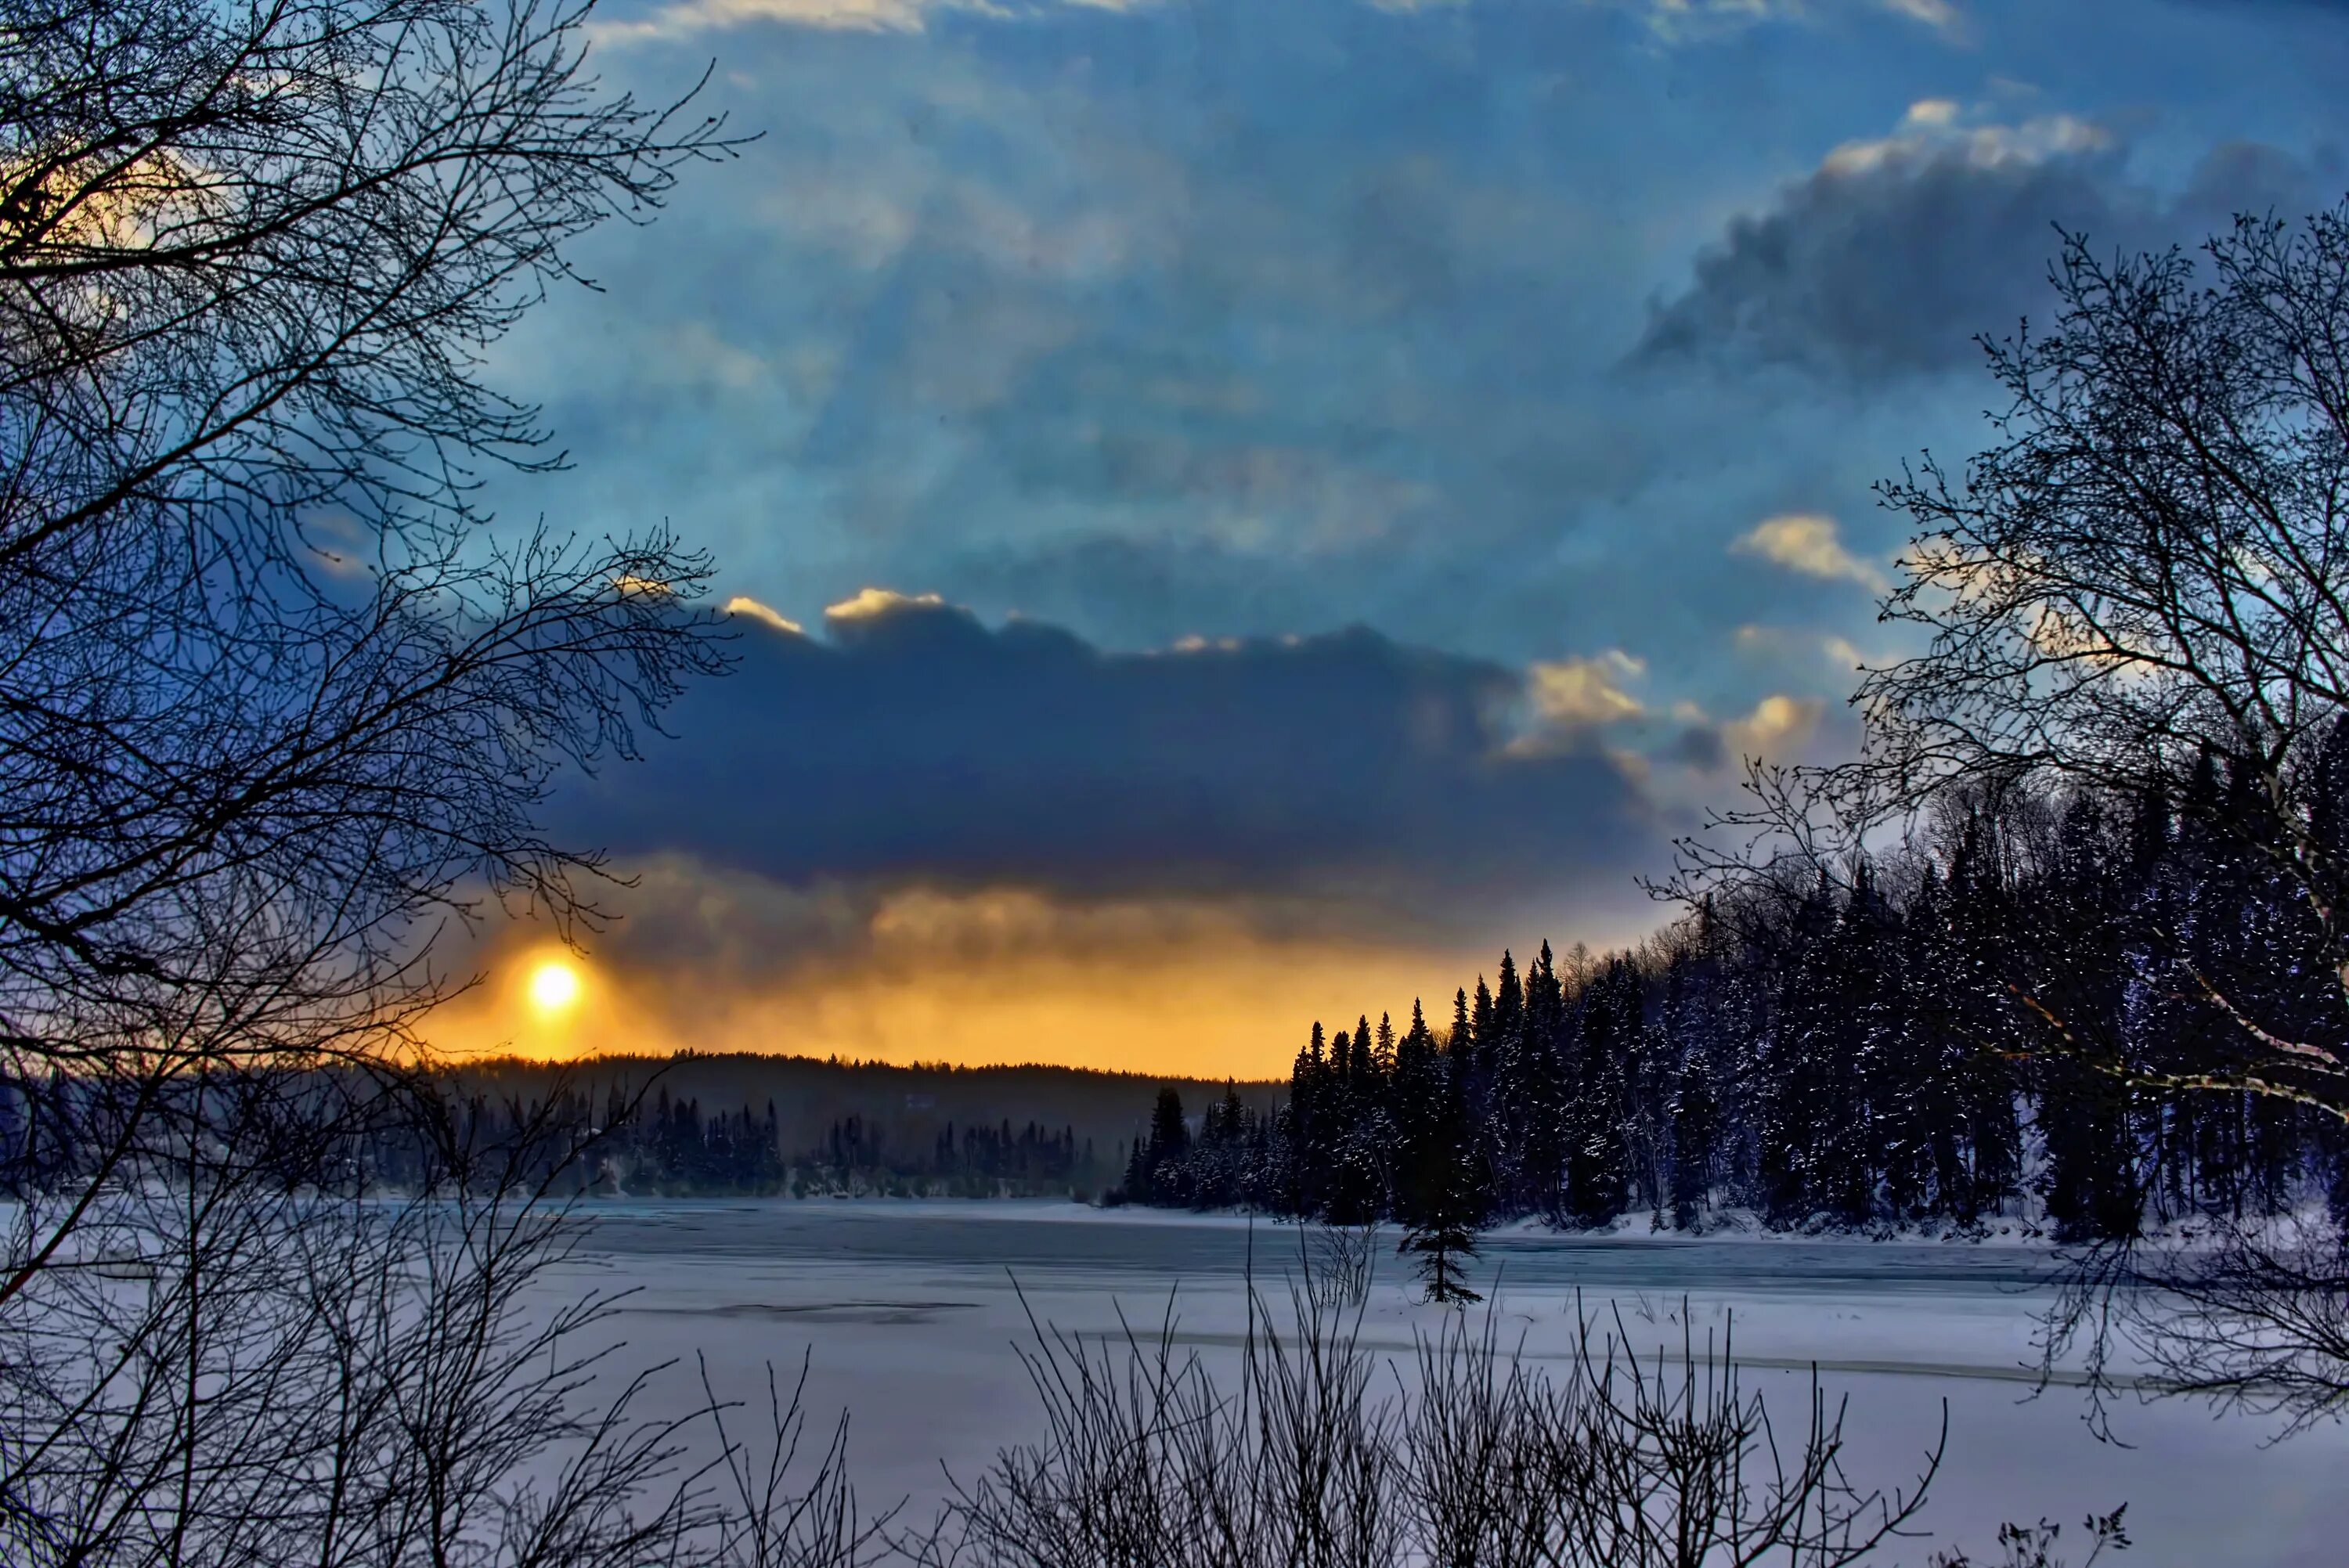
875 1125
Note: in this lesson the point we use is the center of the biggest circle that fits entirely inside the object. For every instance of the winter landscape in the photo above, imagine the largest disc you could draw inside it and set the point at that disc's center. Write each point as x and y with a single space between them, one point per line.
910 1314
1174 783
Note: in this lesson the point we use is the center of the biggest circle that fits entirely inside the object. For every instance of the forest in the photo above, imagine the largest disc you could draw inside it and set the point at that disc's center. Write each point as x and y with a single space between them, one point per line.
1859 1050
698 1124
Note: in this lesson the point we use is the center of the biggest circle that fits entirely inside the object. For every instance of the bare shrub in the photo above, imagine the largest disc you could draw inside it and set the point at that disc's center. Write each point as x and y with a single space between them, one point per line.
1341 1263
236 1362
2034 1545
1474 1456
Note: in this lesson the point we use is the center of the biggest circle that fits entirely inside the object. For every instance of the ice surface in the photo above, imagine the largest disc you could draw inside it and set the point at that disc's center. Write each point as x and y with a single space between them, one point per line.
911 1314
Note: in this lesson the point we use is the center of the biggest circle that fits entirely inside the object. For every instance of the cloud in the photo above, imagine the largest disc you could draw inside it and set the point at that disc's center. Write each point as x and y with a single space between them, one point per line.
1938 14
914 746
917 835
689 17
1808 544
1889 258
1578 694
1671 20
1077 316
1788 647
871 603
742 605
693 16
1779 725
1696 21
1843 653
1934 128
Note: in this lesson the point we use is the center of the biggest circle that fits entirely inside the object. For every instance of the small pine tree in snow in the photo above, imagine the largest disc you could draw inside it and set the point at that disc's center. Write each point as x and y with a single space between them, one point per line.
1448 1202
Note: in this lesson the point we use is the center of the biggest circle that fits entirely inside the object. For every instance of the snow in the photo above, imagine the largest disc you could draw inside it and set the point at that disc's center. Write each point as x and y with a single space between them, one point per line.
910 1312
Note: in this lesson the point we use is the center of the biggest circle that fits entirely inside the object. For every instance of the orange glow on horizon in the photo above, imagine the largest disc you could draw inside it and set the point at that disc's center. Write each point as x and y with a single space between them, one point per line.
1240 1013
1188 988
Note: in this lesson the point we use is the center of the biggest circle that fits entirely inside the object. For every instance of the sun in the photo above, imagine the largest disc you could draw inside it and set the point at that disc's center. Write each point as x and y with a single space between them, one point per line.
553 987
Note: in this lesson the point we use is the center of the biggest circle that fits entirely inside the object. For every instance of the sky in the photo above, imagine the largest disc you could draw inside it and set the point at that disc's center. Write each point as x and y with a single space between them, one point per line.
1232 512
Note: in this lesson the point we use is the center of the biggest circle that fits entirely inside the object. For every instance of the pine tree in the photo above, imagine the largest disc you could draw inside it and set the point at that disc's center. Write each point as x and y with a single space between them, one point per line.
1545 1088
1695 1133
1164 1177
1356 1152
1418 1091
1608 1022
1448 1205
1508 999
1302 1136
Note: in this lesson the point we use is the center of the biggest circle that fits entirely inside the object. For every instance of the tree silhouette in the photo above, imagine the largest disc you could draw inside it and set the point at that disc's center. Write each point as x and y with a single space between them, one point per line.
279 705
1448 1198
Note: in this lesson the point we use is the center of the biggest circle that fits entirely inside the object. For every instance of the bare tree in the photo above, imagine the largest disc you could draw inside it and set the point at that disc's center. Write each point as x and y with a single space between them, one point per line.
2146 578
274 691
278 704
2253 1318
2150 570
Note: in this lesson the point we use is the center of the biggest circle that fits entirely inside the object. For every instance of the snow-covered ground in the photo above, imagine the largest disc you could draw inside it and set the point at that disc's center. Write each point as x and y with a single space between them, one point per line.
911 1314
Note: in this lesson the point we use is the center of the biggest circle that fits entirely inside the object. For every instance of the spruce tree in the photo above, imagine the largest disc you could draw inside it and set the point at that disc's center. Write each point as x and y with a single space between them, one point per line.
1543 1086
1163 1176
1695 1131
1609 1020
1448 1200
1418 1091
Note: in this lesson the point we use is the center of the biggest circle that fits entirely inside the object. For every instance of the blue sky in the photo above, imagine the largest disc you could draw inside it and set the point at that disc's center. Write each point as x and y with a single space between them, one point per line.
1552 345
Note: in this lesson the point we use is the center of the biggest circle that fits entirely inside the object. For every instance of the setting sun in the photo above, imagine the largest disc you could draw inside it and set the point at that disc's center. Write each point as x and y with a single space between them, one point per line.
553 987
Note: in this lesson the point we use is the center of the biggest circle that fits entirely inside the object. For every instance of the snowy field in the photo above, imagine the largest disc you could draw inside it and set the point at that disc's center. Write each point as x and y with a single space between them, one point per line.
911 1316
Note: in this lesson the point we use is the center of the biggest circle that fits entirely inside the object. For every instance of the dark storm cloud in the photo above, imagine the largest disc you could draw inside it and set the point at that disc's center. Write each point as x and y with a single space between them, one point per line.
1890 258
914 744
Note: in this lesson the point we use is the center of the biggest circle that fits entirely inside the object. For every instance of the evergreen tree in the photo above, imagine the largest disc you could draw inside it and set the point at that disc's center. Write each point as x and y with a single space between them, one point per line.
1448 1204
1608 1023
1695 1133
1828 1055
1164 1158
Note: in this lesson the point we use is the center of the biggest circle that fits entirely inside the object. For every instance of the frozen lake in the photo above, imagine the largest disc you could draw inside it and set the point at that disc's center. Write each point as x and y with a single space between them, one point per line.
911 1316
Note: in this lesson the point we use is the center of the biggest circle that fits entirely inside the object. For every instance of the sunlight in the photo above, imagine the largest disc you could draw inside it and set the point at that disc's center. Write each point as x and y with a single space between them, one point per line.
553 987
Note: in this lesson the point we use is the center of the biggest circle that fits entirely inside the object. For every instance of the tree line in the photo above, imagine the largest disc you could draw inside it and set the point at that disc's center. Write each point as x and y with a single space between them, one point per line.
54 1132
1845 1050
